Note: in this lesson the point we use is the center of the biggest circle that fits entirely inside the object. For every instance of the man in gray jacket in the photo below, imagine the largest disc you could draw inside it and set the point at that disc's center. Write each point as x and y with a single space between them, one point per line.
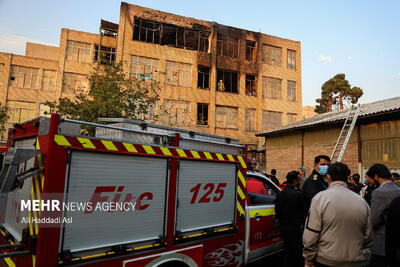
380 201
338 226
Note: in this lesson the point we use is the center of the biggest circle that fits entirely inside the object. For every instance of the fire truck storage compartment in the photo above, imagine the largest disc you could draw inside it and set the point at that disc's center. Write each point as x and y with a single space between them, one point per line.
206 195
13 214
137 175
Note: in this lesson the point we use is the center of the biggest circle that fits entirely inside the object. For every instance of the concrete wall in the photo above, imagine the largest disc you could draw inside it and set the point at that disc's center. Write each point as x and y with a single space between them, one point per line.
42 51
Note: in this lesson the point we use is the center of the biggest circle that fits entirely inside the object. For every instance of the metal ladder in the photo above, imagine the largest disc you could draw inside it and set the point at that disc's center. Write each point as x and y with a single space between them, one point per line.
345 134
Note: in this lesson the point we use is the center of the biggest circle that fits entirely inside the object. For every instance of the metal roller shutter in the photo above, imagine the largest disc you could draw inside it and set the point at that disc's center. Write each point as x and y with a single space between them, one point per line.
206 195
102 229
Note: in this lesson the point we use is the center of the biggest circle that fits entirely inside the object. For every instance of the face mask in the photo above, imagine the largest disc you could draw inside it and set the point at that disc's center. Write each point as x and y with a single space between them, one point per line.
364 181
323 170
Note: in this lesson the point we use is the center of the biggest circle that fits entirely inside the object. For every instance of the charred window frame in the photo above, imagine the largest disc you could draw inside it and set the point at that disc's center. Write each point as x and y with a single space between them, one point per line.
227 81
108 32
251 86
204 42
108 52
203 77
250 50
227 46
202 114
146 31
291 59
168 34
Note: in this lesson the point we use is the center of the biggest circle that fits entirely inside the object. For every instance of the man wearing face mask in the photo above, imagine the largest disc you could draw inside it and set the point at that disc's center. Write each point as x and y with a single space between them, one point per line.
317 182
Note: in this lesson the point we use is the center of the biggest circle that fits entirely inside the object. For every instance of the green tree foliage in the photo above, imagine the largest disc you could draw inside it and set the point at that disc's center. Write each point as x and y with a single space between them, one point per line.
339 86
111 94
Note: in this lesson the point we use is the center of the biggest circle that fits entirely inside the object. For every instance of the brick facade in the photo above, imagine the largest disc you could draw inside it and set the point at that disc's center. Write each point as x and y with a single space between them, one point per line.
287 152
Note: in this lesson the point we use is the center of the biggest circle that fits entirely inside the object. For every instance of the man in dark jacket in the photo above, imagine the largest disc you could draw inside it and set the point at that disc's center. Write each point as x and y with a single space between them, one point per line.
392 244
381 199
273 177
355 181
290 210
317 182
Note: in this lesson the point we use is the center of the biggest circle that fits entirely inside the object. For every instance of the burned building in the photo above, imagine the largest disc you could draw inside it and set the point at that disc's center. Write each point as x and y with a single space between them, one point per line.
214 78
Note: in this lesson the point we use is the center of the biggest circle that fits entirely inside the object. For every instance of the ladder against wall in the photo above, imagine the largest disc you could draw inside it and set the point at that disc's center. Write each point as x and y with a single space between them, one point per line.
345 133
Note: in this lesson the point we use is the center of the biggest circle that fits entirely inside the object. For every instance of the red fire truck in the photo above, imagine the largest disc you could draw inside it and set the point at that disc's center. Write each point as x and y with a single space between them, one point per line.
166 197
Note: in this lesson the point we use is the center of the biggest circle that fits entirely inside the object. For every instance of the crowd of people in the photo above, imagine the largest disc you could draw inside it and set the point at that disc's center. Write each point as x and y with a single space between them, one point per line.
331 219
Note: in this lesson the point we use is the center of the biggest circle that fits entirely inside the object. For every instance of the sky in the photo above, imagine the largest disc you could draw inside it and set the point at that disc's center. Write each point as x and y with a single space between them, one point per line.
356 37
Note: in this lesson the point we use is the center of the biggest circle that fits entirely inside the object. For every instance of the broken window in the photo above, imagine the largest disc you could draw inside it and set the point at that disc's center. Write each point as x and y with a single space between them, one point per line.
291 118
226 117
203 77
250 50
204 43
108 32
49 80
179 74
227 46
251 87
107 52
291 59
146 31
271 120
272 88
176 112
108 28
272 55
74 83
78 51
202 114
192 40
20 111
143 68
24 77
250 119
291 91
227 81
167 34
